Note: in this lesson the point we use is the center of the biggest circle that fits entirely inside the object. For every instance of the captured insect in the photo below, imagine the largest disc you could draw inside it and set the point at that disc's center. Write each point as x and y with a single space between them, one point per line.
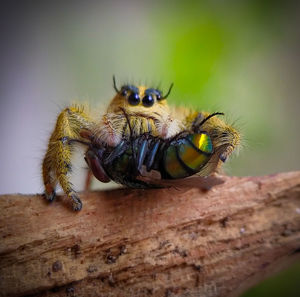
138 134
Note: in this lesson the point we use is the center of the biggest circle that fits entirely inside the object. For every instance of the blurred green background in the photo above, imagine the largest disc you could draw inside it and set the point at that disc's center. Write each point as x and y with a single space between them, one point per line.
238 57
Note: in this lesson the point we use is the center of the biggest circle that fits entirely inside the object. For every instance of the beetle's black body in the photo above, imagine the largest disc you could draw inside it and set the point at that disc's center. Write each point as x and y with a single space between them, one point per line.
124 163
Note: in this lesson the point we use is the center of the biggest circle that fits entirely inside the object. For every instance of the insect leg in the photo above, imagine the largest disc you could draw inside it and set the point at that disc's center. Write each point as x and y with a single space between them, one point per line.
119 150
152 155
142 154
88 180
95 165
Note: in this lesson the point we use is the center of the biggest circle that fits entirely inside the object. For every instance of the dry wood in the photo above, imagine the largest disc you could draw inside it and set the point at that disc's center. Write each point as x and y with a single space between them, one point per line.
158 242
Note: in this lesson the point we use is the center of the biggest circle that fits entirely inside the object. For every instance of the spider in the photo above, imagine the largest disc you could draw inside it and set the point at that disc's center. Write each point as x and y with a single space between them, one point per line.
138 132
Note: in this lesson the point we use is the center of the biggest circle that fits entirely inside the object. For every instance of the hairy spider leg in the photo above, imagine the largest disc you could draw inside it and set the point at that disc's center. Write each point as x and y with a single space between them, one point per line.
57 161
225 138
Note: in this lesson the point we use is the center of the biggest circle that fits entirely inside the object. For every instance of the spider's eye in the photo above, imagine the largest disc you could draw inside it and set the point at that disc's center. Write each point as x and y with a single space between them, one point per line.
134 99
148 101
124 93
158 96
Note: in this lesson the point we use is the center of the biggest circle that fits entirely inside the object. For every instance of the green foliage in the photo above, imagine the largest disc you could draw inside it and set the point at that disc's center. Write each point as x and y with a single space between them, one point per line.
283 284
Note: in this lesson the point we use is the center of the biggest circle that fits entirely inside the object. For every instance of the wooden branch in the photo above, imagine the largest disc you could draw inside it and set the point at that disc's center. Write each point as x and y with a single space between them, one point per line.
158 242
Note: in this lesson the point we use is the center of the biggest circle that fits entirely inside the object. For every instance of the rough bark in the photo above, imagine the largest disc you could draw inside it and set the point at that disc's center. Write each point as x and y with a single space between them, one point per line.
159 242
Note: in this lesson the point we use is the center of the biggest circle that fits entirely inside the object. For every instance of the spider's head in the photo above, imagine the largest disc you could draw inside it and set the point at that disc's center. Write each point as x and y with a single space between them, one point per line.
139 99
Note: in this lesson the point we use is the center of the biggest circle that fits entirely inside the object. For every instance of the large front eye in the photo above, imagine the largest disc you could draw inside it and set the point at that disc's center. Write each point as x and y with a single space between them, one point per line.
134 99
148 101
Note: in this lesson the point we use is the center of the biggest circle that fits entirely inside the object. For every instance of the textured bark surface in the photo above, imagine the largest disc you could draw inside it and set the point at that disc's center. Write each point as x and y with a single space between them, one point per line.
158 242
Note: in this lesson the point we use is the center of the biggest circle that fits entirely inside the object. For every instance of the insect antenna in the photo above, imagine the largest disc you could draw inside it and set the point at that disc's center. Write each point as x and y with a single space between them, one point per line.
115 85
169 91
210 116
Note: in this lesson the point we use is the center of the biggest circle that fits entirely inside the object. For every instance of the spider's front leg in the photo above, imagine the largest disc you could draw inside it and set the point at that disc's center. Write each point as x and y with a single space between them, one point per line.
57 161
225 138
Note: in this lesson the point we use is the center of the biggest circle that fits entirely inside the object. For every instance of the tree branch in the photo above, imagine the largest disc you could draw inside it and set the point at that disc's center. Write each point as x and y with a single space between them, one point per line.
158 242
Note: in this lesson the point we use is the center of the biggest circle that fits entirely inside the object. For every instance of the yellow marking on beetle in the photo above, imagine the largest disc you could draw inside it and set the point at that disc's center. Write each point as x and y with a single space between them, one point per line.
192 158
204 143
201 140
172 164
